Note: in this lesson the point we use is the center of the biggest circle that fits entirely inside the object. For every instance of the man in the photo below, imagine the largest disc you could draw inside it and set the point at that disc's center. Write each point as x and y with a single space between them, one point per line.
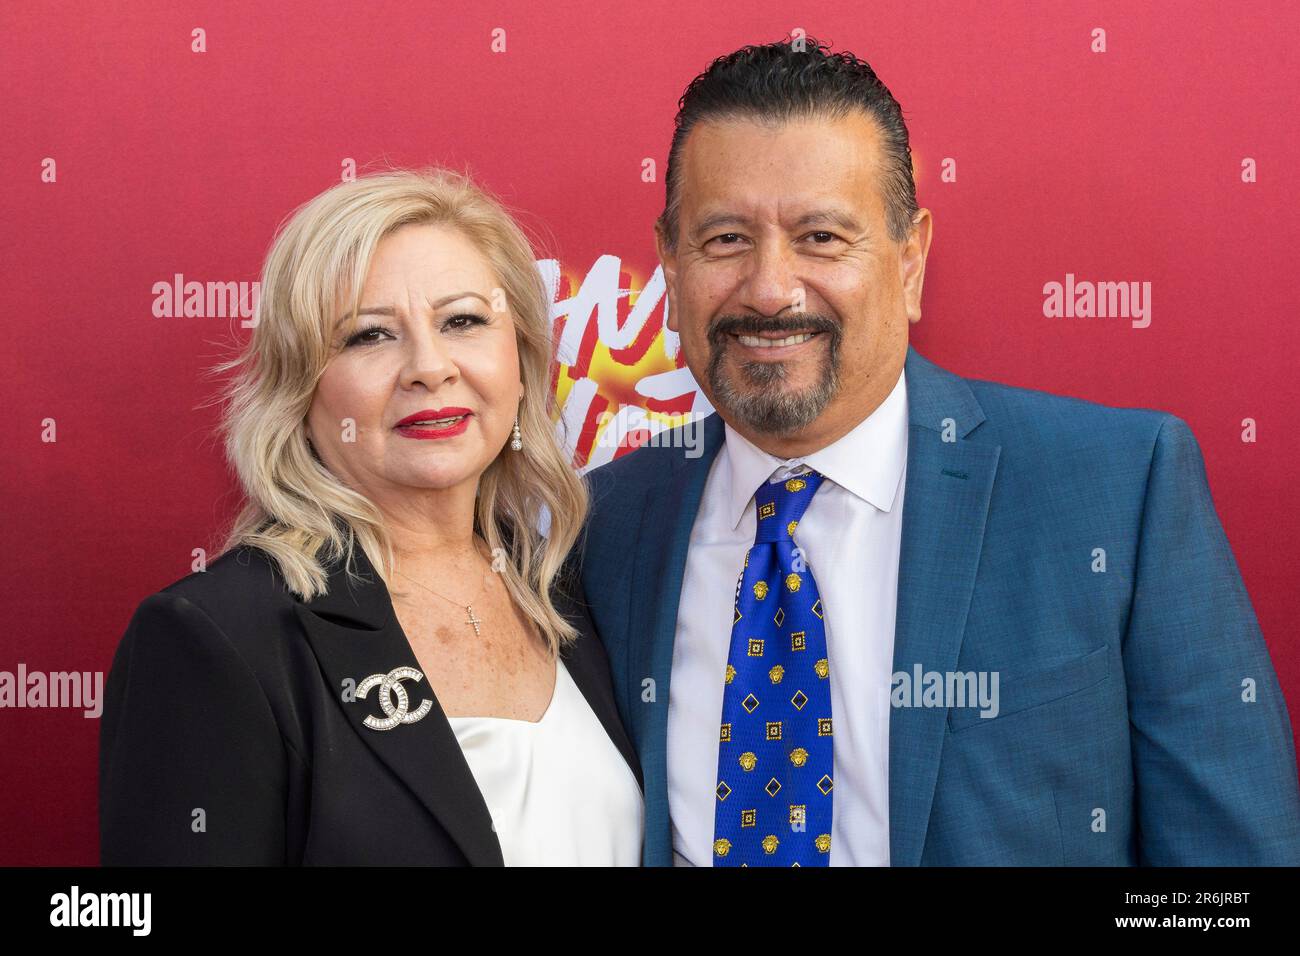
892 616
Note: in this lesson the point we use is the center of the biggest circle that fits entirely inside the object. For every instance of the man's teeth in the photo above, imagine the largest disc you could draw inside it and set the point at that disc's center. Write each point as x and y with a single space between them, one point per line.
437 422
755 341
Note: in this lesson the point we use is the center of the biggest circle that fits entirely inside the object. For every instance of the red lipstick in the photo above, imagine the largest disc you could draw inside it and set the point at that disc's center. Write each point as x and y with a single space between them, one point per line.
435 423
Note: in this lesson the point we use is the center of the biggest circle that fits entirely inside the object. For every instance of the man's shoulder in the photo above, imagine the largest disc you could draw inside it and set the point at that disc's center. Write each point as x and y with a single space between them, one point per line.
638 469
1018 416
621 489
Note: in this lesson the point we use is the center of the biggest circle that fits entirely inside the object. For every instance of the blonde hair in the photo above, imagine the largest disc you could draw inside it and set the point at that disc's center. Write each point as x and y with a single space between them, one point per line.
295 506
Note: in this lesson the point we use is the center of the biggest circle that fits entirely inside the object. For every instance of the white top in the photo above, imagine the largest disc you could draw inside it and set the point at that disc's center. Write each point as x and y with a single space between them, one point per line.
559 791
851 535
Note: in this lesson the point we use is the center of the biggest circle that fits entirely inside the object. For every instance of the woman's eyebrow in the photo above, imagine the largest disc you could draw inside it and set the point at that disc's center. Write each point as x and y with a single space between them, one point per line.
390 312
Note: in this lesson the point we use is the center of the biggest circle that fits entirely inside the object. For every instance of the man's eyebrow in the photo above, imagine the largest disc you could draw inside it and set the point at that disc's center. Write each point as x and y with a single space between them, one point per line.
390 312
836 216
817 216
718 219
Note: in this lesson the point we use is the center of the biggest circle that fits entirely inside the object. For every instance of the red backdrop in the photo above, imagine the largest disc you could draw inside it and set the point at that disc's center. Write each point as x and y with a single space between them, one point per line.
130 157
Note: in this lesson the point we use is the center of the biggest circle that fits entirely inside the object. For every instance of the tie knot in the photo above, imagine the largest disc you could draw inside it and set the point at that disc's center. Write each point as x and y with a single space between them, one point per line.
780 505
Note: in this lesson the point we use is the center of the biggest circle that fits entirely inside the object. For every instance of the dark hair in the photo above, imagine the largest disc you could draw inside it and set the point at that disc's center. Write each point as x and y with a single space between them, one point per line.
781 81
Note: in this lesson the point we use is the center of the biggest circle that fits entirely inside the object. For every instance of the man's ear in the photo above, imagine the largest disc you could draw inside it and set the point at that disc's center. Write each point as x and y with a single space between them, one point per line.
668 258
912 263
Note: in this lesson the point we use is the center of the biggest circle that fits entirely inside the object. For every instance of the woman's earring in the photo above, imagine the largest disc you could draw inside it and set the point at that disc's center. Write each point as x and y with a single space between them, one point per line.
516 441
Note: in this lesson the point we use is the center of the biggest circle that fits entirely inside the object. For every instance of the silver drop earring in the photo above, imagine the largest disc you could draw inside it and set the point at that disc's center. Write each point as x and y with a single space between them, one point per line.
516 440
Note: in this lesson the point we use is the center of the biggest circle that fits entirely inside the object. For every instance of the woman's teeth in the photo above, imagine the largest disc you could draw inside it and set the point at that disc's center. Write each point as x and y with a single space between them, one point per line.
754 341
437 422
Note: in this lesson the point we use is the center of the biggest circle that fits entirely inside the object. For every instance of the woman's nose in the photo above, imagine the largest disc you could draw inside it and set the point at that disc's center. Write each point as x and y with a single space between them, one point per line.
428 361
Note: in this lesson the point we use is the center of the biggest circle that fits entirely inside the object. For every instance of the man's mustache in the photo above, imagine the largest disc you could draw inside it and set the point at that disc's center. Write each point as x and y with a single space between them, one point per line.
726 325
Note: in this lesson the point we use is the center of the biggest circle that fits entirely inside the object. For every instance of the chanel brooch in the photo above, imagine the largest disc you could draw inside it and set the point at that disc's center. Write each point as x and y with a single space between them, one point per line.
390 686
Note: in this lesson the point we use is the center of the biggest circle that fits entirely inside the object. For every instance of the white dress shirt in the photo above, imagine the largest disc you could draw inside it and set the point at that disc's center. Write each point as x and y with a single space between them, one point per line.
850 536
559 791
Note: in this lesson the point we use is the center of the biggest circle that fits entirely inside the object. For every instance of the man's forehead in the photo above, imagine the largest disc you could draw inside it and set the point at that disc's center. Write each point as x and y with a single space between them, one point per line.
793 169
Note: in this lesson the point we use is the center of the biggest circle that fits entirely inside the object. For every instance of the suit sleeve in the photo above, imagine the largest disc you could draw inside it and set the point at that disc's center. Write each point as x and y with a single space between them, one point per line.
192 765
1215 770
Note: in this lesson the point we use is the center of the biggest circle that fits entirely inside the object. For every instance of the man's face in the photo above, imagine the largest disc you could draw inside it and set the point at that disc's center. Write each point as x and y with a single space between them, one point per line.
790 298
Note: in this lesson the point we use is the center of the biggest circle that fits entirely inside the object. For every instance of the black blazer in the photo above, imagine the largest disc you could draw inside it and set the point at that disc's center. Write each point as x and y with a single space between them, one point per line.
224 714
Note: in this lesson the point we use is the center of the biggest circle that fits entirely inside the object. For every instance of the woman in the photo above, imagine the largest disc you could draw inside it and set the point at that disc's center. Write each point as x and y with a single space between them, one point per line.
387 664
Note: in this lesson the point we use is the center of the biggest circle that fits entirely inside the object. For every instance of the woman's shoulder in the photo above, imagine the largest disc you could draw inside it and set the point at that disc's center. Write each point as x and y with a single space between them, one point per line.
240 594
229 632
245 575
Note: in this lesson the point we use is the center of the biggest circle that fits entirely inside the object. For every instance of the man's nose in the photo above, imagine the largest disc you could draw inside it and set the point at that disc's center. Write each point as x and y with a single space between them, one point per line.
771 284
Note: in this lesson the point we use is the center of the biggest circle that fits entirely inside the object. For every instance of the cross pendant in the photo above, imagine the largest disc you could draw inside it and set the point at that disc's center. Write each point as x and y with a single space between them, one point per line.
471 619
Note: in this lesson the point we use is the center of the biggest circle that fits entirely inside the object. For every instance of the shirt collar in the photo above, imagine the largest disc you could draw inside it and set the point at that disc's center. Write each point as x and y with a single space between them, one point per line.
867 461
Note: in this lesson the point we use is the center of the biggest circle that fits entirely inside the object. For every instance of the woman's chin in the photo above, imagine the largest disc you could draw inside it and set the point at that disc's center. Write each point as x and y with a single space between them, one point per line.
437 477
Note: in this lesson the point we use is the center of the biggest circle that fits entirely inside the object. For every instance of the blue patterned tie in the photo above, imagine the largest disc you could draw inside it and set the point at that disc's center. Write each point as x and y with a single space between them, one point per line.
775 758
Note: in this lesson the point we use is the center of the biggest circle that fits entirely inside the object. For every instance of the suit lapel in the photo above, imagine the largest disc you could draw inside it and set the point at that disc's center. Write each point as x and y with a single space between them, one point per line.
662 542
354 633
945 506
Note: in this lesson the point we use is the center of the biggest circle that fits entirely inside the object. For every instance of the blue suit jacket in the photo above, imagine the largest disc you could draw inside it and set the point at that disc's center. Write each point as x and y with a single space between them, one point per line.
1126 732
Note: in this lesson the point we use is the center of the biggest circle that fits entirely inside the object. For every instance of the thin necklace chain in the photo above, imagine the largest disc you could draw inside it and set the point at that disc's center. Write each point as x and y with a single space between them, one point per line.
443 596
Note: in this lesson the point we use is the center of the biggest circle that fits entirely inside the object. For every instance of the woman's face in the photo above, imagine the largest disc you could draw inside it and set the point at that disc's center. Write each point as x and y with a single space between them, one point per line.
428 347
